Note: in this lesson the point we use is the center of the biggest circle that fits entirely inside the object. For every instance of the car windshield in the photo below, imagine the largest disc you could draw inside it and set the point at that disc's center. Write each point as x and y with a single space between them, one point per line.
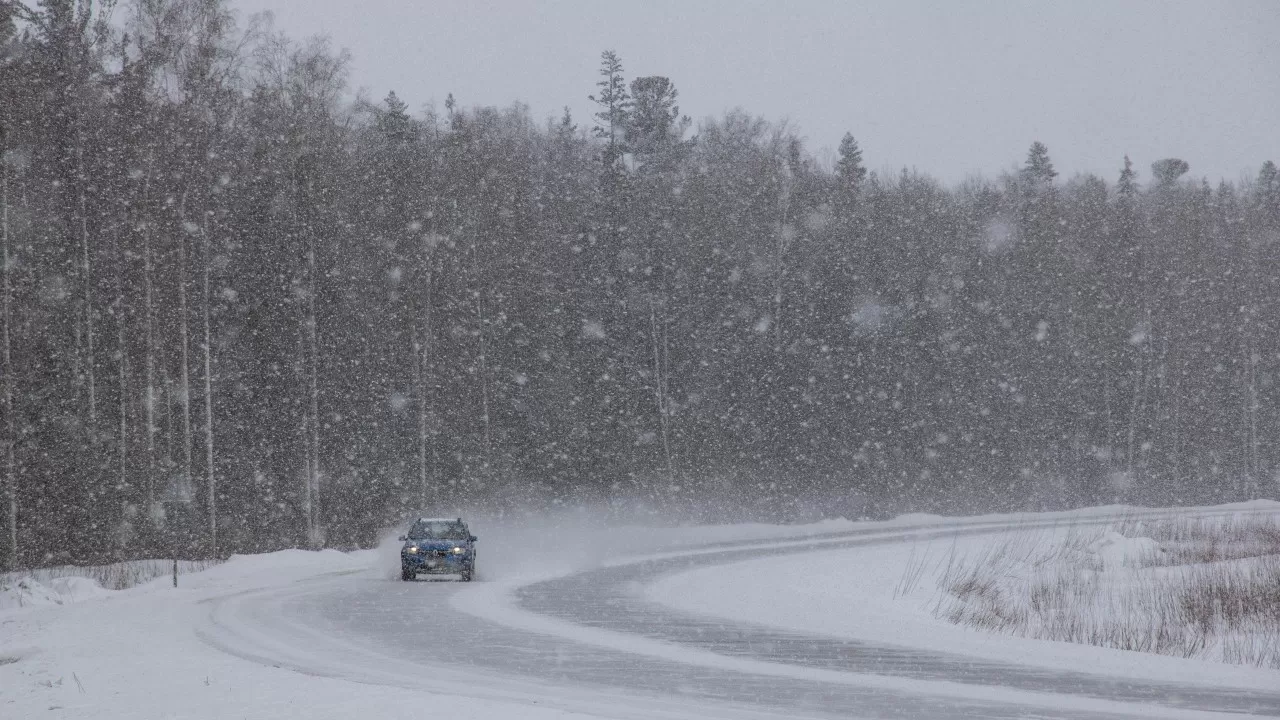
438 530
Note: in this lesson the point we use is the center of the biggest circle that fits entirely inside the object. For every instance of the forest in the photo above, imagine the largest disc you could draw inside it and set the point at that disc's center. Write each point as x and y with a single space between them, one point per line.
246 307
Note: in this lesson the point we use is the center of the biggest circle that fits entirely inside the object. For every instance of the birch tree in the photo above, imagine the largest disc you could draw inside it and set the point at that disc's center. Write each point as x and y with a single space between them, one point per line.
11 436
211 490
304 84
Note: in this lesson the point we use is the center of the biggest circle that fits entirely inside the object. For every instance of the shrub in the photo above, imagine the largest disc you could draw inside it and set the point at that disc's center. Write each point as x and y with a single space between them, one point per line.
1211 590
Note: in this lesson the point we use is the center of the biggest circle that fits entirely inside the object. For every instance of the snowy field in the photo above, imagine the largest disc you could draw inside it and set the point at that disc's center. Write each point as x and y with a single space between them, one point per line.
320 634
71 649
921 594
71 583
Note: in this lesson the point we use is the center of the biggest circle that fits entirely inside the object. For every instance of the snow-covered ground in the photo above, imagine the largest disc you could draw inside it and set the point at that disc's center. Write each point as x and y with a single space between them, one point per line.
70 583
212 649
136 654
26 591
70 649
891 594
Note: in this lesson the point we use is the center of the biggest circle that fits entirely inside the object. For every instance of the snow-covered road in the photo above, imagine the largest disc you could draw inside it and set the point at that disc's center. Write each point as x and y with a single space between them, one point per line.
576 619
592 641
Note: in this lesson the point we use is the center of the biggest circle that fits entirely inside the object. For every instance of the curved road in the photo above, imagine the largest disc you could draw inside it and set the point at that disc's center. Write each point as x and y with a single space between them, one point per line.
371 629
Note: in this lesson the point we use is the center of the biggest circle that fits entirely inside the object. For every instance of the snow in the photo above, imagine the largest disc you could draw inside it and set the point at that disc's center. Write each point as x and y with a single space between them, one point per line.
495 602
27 591
70 649
870 594
139 652
138 655
1116 551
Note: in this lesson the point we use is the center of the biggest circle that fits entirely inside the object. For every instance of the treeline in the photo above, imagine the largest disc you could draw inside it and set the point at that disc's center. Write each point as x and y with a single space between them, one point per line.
241 312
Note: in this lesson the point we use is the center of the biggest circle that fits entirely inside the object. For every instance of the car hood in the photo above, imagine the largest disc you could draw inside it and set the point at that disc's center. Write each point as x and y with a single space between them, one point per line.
437 544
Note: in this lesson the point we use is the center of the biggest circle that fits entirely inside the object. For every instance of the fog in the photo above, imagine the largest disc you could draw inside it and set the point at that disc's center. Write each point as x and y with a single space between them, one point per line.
249 306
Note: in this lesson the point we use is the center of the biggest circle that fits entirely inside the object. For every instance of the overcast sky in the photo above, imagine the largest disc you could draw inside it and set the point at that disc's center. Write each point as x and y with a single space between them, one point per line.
949 88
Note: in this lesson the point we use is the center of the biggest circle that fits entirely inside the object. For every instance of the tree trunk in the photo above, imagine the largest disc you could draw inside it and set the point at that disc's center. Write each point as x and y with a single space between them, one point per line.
167 383
185 375
309 350
151 394
150 355
484 380
304 435
87 271
1252 465
1139 383
11 439
313 459
122 367
211 490
317 526
783 244
660 386
1249 405
423 348
484 368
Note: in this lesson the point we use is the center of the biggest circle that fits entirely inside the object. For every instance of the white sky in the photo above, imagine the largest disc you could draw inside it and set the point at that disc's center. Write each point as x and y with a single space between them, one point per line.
950 88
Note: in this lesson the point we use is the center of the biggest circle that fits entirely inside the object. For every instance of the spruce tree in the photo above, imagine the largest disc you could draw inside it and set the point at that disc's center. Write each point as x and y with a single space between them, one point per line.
654 123
615 107
849 167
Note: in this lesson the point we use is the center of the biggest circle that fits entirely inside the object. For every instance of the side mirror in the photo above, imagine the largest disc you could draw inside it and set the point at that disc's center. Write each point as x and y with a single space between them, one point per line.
403 538
474 538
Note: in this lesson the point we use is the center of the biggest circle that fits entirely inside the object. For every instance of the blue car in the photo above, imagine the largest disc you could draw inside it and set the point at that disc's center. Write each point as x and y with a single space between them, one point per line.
438 546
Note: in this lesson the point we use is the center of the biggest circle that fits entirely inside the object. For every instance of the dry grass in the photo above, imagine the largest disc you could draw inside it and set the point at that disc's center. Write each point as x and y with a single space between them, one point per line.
1210 590
1189 541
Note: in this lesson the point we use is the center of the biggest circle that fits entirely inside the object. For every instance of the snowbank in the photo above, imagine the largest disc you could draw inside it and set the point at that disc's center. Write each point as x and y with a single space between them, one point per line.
889 594
140 654
28 592
1115 551
69 649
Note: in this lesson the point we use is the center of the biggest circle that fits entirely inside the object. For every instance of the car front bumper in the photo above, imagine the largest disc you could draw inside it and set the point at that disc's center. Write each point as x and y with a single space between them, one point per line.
443 563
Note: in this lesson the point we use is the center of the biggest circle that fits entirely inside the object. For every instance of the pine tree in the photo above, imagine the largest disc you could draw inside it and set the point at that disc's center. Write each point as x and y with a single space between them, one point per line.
654 124
1268 190
654 134
1166 172
849 167
615 107
1134 316
1038 170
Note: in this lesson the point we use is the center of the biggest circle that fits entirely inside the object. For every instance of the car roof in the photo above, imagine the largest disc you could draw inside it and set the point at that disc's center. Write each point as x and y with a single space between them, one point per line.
452 519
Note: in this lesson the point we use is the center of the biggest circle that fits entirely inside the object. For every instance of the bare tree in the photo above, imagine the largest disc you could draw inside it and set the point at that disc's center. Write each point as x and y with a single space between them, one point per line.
661 363
785 233
86 269
304 84
313 394
151 395
424 345
10 464
212 486
482 324
118 308
184 333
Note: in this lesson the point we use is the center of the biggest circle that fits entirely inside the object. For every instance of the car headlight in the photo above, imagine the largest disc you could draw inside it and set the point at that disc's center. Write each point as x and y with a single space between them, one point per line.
411 551
458 551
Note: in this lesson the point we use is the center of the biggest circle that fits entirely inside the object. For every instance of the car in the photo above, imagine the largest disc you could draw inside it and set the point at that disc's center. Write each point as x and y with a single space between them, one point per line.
438 546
